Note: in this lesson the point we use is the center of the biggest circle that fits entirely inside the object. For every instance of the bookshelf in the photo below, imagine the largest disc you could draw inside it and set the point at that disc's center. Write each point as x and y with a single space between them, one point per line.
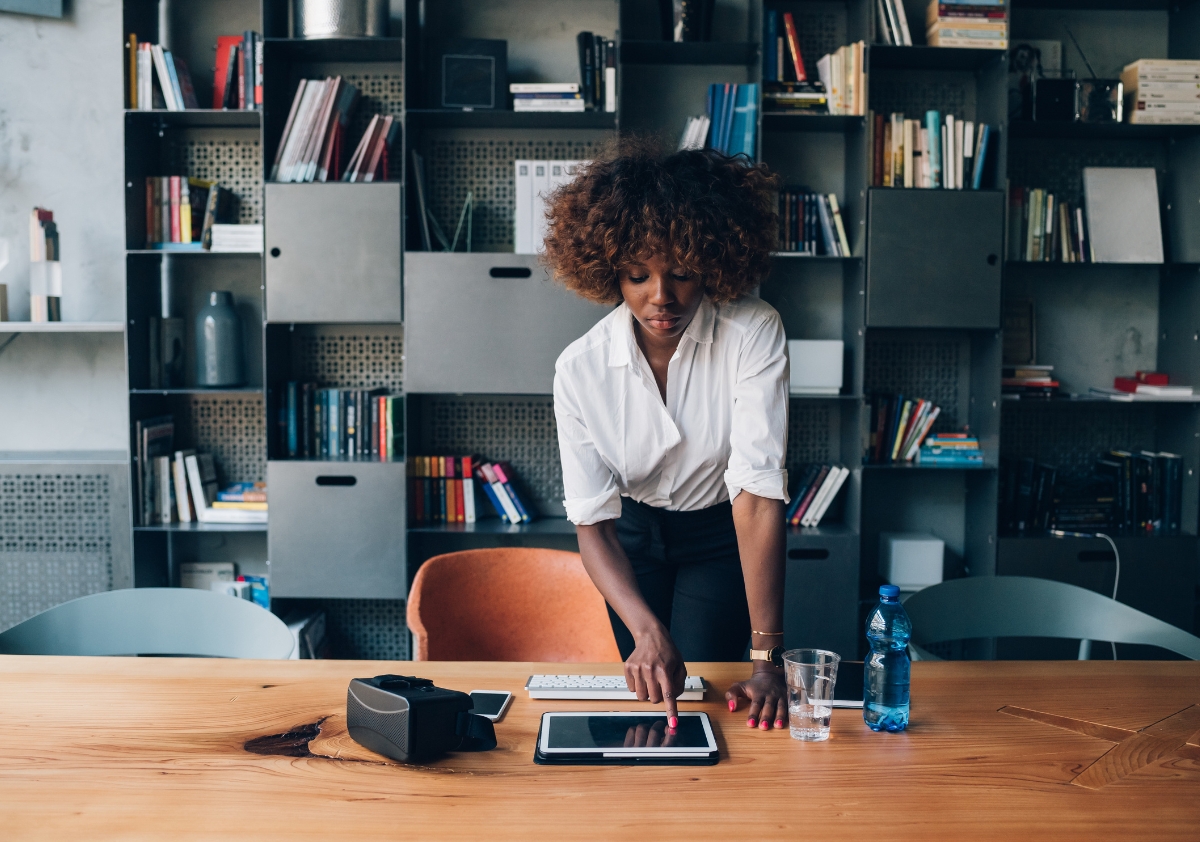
411 321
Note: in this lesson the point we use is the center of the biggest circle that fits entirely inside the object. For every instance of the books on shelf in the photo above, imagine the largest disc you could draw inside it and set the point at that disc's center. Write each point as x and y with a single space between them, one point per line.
1162 91
1147 386
533 183
181 213
1028 381
330 423
546 96
442 489
733 115
202 489
1123 492
898 428
892 23
597 74
695 132
795 98
240 238
976 24
158 79
811 223
314 142
843 75
936 151
1044 227
950 450
815 493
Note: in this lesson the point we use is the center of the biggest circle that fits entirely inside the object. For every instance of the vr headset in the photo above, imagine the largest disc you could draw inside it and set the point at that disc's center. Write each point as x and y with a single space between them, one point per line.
410 720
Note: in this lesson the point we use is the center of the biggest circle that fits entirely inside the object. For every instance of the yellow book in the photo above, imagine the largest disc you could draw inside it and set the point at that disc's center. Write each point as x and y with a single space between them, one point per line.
133 76
185 212
900 429
245 507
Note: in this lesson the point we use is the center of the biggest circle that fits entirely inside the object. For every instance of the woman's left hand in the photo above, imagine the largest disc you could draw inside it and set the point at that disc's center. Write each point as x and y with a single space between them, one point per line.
767 693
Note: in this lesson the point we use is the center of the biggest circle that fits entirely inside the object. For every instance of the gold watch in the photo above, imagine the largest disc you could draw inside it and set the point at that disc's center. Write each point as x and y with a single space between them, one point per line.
773 655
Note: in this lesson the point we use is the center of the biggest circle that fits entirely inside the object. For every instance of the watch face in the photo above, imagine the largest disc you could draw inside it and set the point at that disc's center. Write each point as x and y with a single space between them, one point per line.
776 656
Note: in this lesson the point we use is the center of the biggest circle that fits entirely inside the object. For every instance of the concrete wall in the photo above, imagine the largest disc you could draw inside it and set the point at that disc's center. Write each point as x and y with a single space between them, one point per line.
61 148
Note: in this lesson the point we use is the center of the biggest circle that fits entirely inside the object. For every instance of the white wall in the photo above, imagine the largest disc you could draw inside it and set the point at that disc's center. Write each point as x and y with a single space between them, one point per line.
61 148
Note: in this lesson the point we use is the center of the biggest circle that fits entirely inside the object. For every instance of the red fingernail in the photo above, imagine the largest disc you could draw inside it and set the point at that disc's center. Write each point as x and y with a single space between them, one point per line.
765 724
778 723
750 723
732 705
673 721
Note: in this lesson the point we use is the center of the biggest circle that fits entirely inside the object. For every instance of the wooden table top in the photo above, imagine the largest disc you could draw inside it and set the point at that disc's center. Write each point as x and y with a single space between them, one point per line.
94 748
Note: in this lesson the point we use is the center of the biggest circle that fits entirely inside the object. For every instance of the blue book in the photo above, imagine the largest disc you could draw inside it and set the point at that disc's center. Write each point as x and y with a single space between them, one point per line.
737 128
293 438
333 428
494 500
933 123
985 137
745 121
770 54
169 60
728 112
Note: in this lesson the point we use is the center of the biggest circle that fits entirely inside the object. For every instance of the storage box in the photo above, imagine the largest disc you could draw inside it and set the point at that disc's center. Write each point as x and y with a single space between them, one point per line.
816 366
911 560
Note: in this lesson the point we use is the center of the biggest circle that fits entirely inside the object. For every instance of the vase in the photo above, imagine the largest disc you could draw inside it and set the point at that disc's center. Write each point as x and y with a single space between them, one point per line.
218 342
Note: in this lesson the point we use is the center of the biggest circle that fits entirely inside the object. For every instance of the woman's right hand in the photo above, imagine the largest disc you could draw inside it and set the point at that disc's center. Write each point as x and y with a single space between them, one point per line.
655 671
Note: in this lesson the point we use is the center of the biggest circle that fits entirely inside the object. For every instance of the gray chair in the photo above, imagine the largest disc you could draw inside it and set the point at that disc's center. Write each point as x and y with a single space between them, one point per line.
153 621
1022 606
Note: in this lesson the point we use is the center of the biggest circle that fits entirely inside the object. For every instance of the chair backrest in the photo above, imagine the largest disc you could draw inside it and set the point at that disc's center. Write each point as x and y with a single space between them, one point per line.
153 621
508 604
1023 606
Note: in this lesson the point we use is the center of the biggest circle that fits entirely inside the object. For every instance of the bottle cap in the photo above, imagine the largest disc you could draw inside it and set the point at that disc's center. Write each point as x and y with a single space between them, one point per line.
889 591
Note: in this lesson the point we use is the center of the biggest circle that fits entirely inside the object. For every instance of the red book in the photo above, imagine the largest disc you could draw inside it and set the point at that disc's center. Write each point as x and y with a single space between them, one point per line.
241 83
809 495
225 43
151 211
1153 378
877 167
460 512
789 24
175 229
1125 384
451 493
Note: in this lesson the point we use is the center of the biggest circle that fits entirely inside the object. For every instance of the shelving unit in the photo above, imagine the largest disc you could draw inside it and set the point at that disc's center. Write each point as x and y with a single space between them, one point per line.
342 295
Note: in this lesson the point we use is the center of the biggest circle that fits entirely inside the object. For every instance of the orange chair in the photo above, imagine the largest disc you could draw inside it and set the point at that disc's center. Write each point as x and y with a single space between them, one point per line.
508 604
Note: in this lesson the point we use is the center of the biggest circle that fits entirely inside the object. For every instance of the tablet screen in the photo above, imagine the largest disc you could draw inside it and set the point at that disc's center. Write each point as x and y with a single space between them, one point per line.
626 730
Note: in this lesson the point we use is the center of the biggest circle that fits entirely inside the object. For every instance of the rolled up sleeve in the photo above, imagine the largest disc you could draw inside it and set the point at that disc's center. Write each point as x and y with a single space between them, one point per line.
758 432
589 487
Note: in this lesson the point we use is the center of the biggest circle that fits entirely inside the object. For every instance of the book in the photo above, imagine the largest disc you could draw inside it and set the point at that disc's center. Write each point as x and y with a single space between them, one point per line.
243 492
809 494
793 44
1123 214
202 483
819 511
155 438
183 502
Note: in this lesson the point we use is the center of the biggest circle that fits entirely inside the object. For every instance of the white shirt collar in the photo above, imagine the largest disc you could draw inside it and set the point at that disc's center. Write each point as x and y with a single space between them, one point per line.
623 342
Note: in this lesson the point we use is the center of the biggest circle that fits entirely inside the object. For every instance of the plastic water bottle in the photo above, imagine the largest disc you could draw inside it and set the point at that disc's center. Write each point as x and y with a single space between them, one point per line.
885 684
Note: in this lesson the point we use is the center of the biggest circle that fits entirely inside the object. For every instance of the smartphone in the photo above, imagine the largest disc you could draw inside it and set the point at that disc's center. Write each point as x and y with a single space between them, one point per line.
491 703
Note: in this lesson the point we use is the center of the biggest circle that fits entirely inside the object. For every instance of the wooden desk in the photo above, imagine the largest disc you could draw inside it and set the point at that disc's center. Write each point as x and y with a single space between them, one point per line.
94 748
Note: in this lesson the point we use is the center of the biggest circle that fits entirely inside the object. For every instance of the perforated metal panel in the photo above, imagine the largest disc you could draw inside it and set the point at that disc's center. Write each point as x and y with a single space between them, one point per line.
458 161
371 629
521 431
936 369
231 428
63 534
913 92
812 433
358 357
1058 167
232 157
1071 436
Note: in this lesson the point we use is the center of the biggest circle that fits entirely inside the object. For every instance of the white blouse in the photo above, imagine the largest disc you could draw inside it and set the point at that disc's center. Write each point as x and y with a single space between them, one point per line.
722 429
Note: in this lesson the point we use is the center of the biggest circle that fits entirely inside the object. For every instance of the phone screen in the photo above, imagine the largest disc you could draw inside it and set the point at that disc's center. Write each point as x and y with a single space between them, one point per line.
488 704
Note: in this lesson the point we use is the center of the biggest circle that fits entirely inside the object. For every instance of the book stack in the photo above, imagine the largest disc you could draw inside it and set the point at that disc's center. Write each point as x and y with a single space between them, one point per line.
534 182
352 424
442 490
898 427
546 96
695 132
45 268
1162 91
733 115
313 145
1028 381
795 98
597 72
937 152
1045 228
1148 490
815 493
843 75
978 24
951 450
181 213
371 160
1147 386
158 79
811 223
892 23
243 238
786 86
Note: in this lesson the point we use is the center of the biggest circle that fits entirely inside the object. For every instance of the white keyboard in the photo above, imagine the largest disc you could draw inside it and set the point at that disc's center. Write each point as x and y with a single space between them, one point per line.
600 687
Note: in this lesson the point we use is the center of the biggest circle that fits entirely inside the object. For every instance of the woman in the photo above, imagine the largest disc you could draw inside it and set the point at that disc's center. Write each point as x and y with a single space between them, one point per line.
672 415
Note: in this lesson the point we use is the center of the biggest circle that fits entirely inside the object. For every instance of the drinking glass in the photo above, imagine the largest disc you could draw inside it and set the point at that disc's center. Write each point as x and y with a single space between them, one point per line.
811 675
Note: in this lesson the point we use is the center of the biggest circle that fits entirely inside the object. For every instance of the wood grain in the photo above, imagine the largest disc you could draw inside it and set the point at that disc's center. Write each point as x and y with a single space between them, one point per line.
155 748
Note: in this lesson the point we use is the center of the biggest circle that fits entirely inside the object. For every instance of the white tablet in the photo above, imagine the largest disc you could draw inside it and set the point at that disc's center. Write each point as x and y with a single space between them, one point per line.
625 737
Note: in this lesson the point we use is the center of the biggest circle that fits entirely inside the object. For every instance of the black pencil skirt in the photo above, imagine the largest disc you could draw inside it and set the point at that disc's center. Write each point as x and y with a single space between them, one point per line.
690 574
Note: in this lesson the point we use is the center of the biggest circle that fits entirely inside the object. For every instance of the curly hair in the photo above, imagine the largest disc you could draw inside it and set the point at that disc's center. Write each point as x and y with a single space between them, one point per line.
712 215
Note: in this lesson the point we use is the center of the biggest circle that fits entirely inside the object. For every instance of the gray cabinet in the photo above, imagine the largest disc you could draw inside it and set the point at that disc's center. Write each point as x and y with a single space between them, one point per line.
333 252
487 323
337 529
934 258
820 602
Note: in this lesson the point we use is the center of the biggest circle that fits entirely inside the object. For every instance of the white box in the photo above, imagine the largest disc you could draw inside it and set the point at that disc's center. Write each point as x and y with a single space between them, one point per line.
205 574
911 560
816 366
